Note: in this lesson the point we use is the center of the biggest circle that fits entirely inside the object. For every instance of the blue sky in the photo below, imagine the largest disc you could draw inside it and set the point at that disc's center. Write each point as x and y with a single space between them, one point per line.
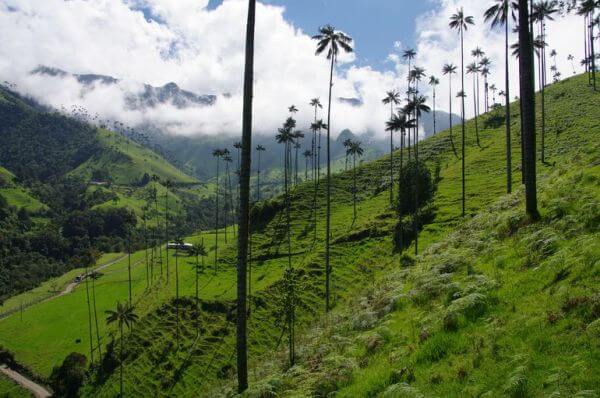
374 24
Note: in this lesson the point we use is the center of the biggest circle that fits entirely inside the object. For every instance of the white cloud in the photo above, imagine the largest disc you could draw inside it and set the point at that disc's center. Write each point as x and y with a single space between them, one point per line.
203 51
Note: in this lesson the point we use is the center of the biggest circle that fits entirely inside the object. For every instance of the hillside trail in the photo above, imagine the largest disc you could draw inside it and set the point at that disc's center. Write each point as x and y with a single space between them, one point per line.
68 289
71 286
37 390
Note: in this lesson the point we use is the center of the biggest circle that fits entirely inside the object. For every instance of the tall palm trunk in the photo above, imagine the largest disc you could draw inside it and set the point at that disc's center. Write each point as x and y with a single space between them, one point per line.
434 113
507 121
462 75
96 314
328 199
244 216
475 103
146 250
450 115
592 51
121 361
217 222
257 178
197 295
87 293
391 158
416 194
401 239
167 231
290 309
527 85
542 62
177 293
231 206
354 183
129 264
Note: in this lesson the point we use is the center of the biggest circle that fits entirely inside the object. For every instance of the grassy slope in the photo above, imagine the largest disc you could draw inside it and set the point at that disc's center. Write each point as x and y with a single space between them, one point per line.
362 249
18 196
361 253
127 162
8 389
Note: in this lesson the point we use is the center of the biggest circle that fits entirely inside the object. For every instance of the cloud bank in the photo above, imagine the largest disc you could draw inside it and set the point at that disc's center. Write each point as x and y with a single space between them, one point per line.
202 50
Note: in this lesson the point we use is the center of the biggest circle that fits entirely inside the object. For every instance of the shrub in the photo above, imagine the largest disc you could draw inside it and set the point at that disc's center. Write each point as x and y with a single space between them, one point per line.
450 322
402 390
516 386
471 306
67 379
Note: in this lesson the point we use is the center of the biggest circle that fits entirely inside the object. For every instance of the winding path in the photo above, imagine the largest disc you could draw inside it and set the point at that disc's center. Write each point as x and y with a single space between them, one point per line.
37 390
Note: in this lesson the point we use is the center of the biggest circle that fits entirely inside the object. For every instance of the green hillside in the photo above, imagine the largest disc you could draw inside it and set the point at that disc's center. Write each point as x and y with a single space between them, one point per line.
492 305
125 162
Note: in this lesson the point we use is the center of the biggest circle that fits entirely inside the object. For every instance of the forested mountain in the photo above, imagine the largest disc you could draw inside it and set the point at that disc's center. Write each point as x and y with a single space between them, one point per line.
70 190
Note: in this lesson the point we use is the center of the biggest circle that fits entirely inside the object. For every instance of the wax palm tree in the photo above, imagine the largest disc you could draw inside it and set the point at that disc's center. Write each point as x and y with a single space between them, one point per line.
259 149
355 149
238 147
292 110
484 68
402 123
285 137
298 136
123 315
571 58
542 11
168 186
434 82
409 55
392 99
527 87
477 53
415 76
228 160
450 69
418 107
316 104
499 15
587 9
178 244
473 69
218 154
346 145
460 22
307 156
198 251
244 224
331 42
493 89
89 308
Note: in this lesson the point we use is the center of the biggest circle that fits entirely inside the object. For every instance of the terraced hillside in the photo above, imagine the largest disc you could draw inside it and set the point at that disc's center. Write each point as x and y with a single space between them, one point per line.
417 324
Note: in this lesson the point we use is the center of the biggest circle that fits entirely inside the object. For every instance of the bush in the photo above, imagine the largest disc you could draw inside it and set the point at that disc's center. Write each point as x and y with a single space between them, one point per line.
414 173
67 379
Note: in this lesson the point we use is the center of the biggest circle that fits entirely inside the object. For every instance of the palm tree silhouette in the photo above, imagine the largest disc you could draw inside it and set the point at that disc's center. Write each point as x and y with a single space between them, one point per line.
417 106
484 67
473 69
168 186
434 82
123 315
460 22
217 154
402 123
450 69
542 11
527 88
307 156
316 104
259 149
477 53
587 8
244 200
227 159
198 251
415 76
393 99
298 135
354 149
332 42
346 145
570 58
